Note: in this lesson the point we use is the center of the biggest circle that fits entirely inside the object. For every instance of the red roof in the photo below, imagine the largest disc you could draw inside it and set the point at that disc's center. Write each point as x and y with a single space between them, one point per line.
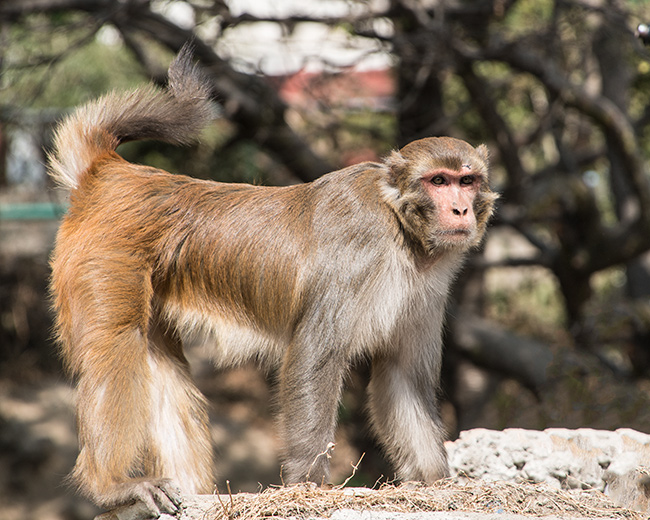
371 88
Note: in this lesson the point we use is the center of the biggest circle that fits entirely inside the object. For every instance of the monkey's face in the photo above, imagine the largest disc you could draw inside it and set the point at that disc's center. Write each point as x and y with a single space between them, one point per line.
444 199
452 193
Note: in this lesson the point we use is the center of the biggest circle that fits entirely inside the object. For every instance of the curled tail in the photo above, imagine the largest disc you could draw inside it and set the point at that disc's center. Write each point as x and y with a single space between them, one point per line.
175 115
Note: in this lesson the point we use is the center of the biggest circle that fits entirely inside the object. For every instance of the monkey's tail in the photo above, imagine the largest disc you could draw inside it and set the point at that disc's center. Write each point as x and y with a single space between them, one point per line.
175 115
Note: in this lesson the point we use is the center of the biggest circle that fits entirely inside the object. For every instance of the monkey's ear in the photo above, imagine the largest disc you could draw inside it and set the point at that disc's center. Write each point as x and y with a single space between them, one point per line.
396 163
483 152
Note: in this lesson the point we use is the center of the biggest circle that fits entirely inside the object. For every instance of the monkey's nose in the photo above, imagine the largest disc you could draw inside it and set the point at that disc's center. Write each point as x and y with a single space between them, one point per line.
458 212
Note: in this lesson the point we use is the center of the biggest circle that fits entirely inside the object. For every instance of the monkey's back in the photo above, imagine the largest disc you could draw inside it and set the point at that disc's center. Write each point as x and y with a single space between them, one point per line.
245 263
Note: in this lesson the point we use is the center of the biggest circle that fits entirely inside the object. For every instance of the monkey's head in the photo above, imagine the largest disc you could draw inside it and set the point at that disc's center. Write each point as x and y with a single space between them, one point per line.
439 191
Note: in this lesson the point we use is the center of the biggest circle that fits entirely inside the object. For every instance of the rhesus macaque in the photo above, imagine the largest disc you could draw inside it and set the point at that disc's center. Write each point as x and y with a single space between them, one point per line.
307 278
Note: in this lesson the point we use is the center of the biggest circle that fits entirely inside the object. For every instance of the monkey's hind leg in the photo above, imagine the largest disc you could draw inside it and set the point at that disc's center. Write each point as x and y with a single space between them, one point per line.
143 426
181 445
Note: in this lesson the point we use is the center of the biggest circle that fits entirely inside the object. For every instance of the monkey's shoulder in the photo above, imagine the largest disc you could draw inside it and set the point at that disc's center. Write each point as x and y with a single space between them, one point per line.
359 173
356 189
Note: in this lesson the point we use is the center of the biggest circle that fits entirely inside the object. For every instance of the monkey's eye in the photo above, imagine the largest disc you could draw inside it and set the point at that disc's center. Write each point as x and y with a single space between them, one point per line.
438 180
467 180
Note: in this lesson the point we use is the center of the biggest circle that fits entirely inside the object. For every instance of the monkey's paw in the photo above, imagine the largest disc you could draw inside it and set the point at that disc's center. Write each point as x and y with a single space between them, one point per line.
151 498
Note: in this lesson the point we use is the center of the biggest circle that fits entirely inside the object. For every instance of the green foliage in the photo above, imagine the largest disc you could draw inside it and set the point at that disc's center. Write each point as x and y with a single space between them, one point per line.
243 162
57 61
524 17
527 300
369 128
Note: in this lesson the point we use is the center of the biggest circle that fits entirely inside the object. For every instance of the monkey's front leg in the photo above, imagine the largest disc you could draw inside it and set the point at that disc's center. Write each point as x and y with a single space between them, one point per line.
309 393
405 416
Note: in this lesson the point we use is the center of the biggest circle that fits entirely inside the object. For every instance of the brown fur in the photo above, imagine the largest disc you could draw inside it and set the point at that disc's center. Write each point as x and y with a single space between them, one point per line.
305 277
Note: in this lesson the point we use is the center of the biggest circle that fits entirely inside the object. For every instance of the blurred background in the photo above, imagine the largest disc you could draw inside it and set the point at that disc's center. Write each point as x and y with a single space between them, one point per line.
549 323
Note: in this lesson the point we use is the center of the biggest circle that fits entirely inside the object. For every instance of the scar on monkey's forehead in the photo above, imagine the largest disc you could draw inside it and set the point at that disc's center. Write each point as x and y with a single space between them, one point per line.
467 166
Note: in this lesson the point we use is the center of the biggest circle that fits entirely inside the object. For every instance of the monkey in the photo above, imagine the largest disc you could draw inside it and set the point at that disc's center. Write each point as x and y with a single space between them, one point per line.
306 278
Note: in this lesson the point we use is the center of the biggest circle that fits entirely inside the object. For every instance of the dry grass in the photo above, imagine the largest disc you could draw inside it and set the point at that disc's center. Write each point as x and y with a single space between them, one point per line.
454 494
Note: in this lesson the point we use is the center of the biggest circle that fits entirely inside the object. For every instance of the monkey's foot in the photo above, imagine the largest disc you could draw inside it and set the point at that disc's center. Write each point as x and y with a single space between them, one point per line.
151 498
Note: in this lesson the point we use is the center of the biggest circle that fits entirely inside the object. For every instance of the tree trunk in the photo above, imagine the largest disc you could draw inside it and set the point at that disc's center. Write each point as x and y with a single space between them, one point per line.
616 84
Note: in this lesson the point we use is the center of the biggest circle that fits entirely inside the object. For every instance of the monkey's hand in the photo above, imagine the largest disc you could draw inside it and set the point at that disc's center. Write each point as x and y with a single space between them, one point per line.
149 498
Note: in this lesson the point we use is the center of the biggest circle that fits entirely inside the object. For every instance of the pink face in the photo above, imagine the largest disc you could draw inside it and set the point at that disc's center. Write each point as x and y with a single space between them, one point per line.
453 193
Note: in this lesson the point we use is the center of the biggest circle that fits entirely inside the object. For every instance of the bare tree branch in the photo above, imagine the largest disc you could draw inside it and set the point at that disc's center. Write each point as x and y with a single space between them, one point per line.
605 113
13 9
480 93
493 347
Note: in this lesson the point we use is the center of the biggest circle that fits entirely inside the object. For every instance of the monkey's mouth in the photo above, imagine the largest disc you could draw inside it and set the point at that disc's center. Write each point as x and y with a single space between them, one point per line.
460 237
460 232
